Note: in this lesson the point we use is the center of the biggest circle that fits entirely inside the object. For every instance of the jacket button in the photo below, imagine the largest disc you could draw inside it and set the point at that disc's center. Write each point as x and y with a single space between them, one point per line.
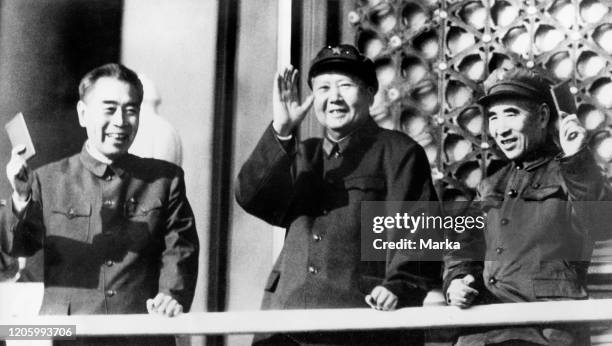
110 293
512 193
3 202
492 280
109 263
313 270
325 211
336 154
499 250
316 237
519 167
109 177
504 221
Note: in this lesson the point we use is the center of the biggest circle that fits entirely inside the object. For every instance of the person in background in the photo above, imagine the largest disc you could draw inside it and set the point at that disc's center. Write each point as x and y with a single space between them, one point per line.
542 218
314 190
117 231
156 137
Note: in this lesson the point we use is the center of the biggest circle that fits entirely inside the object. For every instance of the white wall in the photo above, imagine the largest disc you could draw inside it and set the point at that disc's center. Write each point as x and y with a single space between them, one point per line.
250 253
173 43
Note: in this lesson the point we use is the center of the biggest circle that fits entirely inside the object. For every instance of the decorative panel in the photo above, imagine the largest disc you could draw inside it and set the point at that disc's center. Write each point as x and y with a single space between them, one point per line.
432 57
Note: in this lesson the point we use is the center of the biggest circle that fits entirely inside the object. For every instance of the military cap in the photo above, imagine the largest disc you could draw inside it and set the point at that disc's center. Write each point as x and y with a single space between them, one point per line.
344 58
520 82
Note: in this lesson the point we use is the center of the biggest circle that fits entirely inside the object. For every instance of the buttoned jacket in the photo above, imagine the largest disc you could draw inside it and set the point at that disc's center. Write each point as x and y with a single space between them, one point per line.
113 235
315 194
542 220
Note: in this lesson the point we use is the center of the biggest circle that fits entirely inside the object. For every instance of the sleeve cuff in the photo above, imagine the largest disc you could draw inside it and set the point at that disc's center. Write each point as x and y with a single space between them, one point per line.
408 295
580 167
286 142
284 138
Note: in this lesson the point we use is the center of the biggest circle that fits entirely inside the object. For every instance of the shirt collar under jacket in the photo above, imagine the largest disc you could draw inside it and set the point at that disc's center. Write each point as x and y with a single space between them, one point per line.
99 165
96 155
330 146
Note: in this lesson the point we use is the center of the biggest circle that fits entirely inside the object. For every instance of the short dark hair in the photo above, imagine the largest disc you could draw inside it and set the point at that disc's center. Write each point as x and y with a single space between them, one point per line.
112 70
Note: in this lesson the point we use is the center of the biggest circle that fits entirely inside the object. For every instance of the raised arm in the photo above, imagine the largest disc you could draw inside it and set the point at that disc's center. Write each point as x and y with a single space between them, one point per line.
264 186
24 218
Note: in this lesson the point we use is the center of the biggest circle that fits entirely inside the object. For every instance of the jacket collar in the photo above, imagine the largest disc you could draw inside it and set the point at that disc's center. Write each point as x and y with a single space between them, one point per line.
542 156
331 146
99 168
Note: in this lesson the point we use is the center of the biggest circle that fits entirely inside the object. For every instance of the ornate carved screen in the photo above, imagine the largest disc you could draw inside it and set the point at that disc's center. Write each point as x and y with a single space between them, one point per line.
432 57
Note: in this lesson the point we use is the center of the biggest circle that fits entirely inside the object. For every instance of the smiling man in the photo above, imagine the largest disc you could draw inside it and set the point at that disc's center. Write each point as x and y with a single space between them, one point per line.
117 231
314 189
542 213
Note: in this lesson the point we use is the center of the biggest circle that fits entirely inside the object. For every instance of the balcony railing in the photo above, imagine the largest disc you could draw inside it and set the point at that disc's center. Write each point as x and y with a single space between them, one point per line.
246 322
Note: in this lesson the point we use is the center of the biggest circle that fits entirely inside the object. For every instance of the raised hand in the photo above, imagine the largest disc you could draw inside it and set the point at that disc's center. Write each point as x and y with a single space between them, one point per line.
288 112
572 135
19 175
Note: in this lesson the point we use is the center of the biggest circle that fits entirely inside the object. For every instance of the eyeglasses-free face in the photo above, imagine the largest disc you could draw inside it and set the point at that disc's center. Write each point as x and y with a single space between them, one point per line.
110 114
341 102
517 127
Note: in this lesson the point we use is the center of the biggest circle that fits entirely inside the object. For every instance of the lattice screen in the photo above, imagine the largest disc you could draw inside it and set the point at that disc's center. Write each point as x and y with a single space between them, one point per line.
432 57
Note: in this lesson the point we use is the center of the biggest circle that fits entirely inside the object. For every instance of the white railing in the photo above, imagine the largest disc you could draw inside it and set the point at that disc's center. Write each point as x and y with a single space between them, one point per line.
246 322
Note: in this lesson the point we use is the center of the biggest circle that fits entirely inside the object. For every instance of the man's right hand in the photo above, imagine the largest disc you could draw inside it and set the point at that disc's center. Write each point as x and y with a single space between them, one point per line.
19 175
459 292
288 112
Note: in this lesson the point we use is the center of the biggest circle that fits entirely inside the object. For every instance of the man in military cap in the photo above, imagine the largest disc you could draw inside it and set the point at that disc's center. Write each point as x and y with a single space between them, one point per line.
540 232
313 189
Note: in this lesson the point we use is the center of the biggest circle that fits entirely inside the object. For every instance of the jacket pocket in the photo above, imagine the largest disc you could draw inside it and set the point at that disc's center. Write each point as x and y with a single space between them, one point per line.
558 288
542 193
70 221
365 188
272 281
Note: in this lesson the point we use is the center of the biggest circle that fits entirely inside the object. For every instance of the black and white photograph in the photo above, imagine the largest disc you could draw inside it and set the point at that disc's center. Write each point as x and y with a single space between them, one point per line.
306 172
